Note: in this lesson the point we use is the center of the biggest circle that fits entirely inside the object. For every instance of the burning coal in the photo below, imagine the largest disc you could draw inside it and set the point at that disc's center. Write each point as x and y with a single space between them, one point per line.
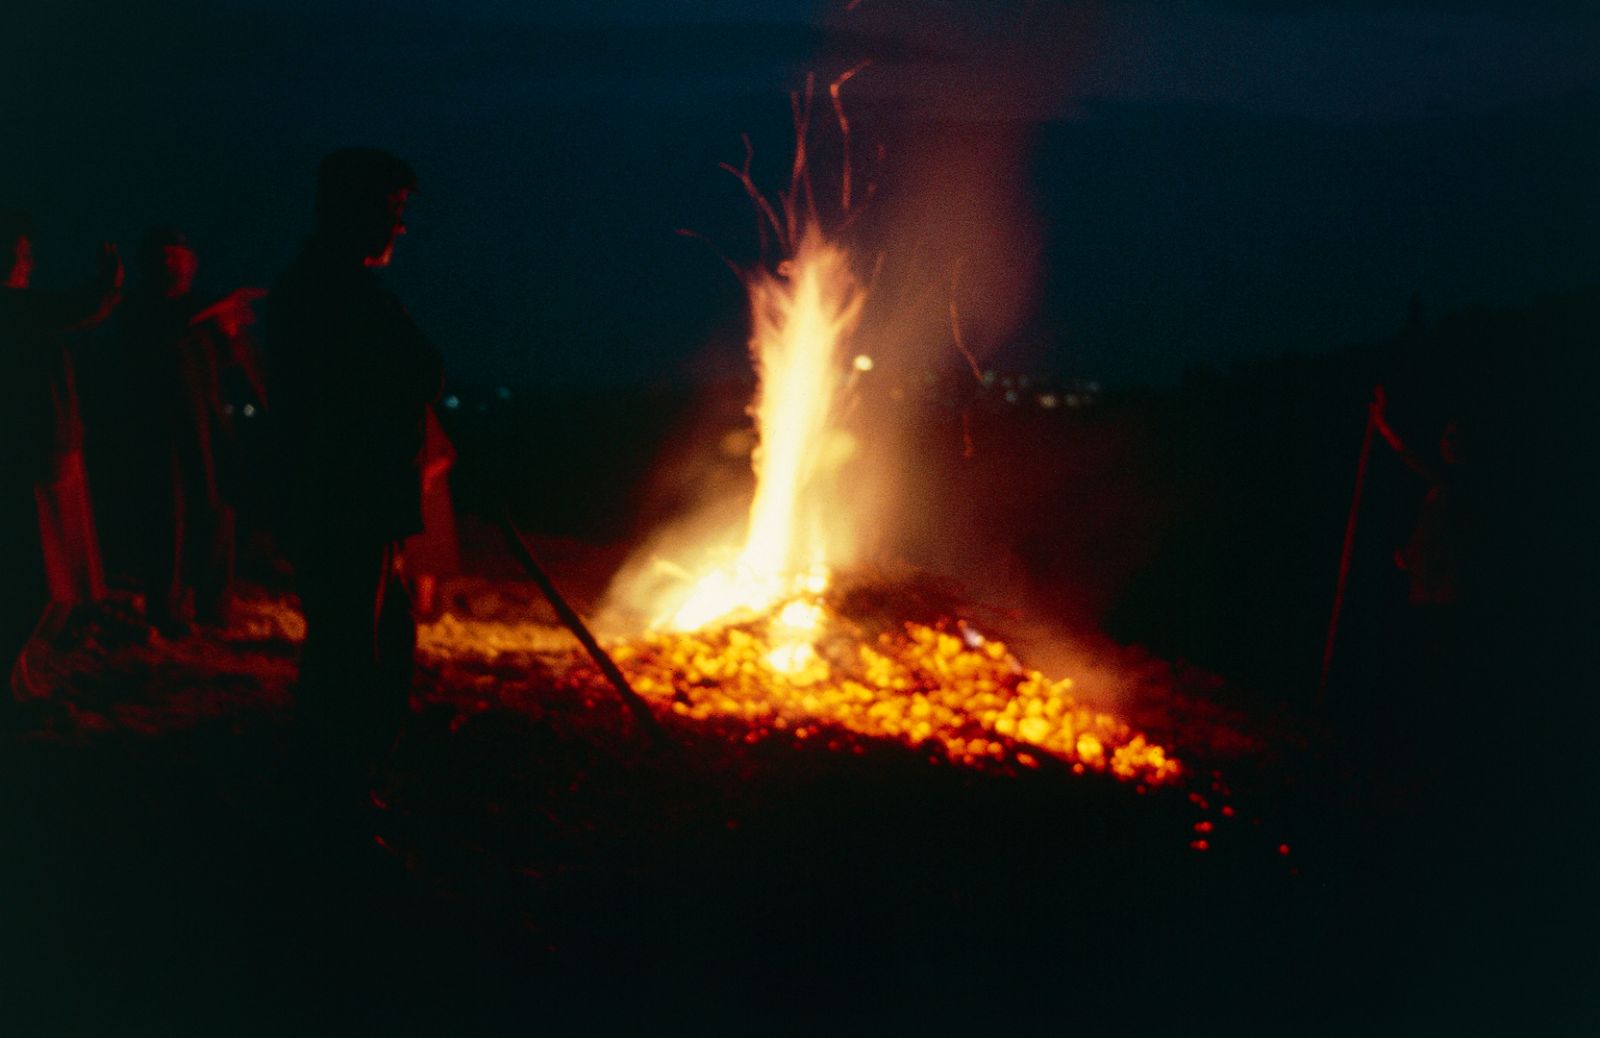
965 696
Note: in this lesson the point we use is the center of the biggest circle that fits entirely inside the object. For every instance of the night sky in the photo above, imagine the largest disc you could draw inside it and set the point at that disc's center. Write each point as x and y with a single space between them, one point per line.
1159 184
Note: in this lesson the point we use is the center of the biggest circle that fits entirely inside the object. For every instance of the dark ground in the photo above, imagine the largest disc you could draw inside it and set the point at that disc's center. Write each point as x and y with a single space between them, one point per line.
181 865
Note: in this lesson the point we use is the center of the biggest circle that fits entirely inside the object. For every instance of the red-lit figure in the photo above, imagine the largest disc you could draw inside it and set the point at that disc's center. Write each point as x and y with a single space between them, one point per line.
51 554
1443 559
350 378
433 556
1440 542
174 352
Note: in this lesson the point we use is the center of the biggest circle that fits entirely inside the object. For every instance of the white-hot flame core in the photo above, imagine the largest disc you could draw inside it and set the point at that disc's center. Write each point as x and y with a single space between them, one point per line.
800 615
801 321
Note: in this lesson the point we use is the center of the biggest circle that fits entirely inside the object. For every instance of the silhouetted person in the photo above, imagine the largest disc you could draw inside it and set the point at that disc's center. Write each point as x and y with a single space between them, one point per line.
1438 556
175 350
49 547
350 378
1448 645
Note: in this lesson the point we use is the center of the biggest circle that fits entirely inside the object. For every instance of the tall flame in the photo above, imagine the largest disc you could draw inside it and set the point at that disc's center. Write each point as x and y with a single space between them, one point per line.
801 321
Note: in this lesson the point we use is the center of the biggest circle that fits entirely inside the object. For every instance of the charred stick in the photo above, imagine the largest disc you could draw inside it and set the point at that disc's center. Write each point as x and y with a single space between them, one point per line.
574 623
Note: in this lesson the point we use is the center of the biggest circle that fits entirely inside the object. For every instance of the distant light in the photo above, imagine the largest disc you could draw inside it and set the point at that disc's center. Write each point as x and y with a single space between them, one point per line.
1011 396
452 402
249 410
1073 400
503 393
863 362
1049 401
988 378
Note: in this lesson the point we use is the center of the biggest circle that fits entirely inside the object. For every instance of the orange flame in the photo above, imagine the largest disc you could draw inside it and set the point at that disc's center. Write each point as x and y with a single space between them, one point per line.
801 323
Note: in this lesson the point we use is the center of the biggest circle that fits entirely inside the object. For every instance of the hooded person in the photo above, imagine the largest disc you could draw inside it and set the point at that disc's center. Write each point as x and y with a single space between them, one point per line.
175 522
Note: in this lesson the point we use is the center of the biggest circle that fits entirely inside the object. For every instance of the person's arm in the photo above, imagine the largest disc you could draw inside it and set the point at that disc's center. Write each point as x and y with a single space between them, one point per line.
233 313
1380 419
438 453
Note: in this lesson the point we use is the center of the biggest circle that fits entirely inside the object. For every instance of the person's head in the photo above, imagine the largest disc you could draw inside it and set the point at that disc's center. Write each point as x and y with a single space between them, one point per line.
361 198
16 249
169 261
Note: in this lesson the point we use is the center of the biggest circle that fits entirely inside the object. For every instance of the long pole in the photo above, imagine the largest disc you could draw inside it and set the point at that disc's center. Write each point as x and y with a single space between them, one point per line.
1344 558
580 630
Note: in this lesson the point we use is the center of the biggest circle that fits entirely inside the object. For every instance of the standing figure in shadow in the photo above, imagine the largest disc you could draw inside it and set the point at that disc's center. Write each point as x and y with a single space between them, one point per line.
175 351
1446 652
52 559
350 378
1442 560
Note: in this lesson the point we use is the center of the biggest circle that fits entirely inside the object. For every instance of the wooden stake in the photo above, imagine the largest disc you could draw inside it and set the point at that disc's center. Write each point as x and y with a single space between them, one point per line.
1344 559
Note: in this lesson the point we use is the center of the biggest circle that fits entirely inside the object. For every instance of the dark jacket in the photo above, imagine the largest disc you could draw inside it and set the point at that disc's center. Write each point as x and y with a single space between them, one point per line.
350 377
172 369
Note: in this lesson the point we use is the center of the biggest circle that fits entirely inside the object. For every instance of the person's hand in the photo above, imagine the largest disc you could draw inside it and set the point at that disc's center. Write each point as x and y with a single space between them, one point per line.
1378 410
108 270
232 312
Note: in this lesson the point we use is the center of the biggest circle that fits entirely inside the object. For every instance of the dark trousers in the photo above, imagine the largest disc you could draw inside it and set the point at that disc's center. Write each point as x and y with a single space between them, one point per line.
190 548
357 661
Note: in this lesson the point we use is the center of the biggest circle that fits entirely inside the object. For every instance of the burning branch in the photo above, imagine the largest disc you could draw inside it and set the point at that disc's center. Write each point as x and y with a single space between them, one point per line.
684 232
763 207
800 174
844 131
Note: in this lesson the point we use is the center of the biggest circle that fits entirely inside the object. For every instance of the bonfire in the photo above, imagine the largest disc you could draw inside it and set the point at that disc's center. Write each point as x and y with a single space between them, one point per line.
751 628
